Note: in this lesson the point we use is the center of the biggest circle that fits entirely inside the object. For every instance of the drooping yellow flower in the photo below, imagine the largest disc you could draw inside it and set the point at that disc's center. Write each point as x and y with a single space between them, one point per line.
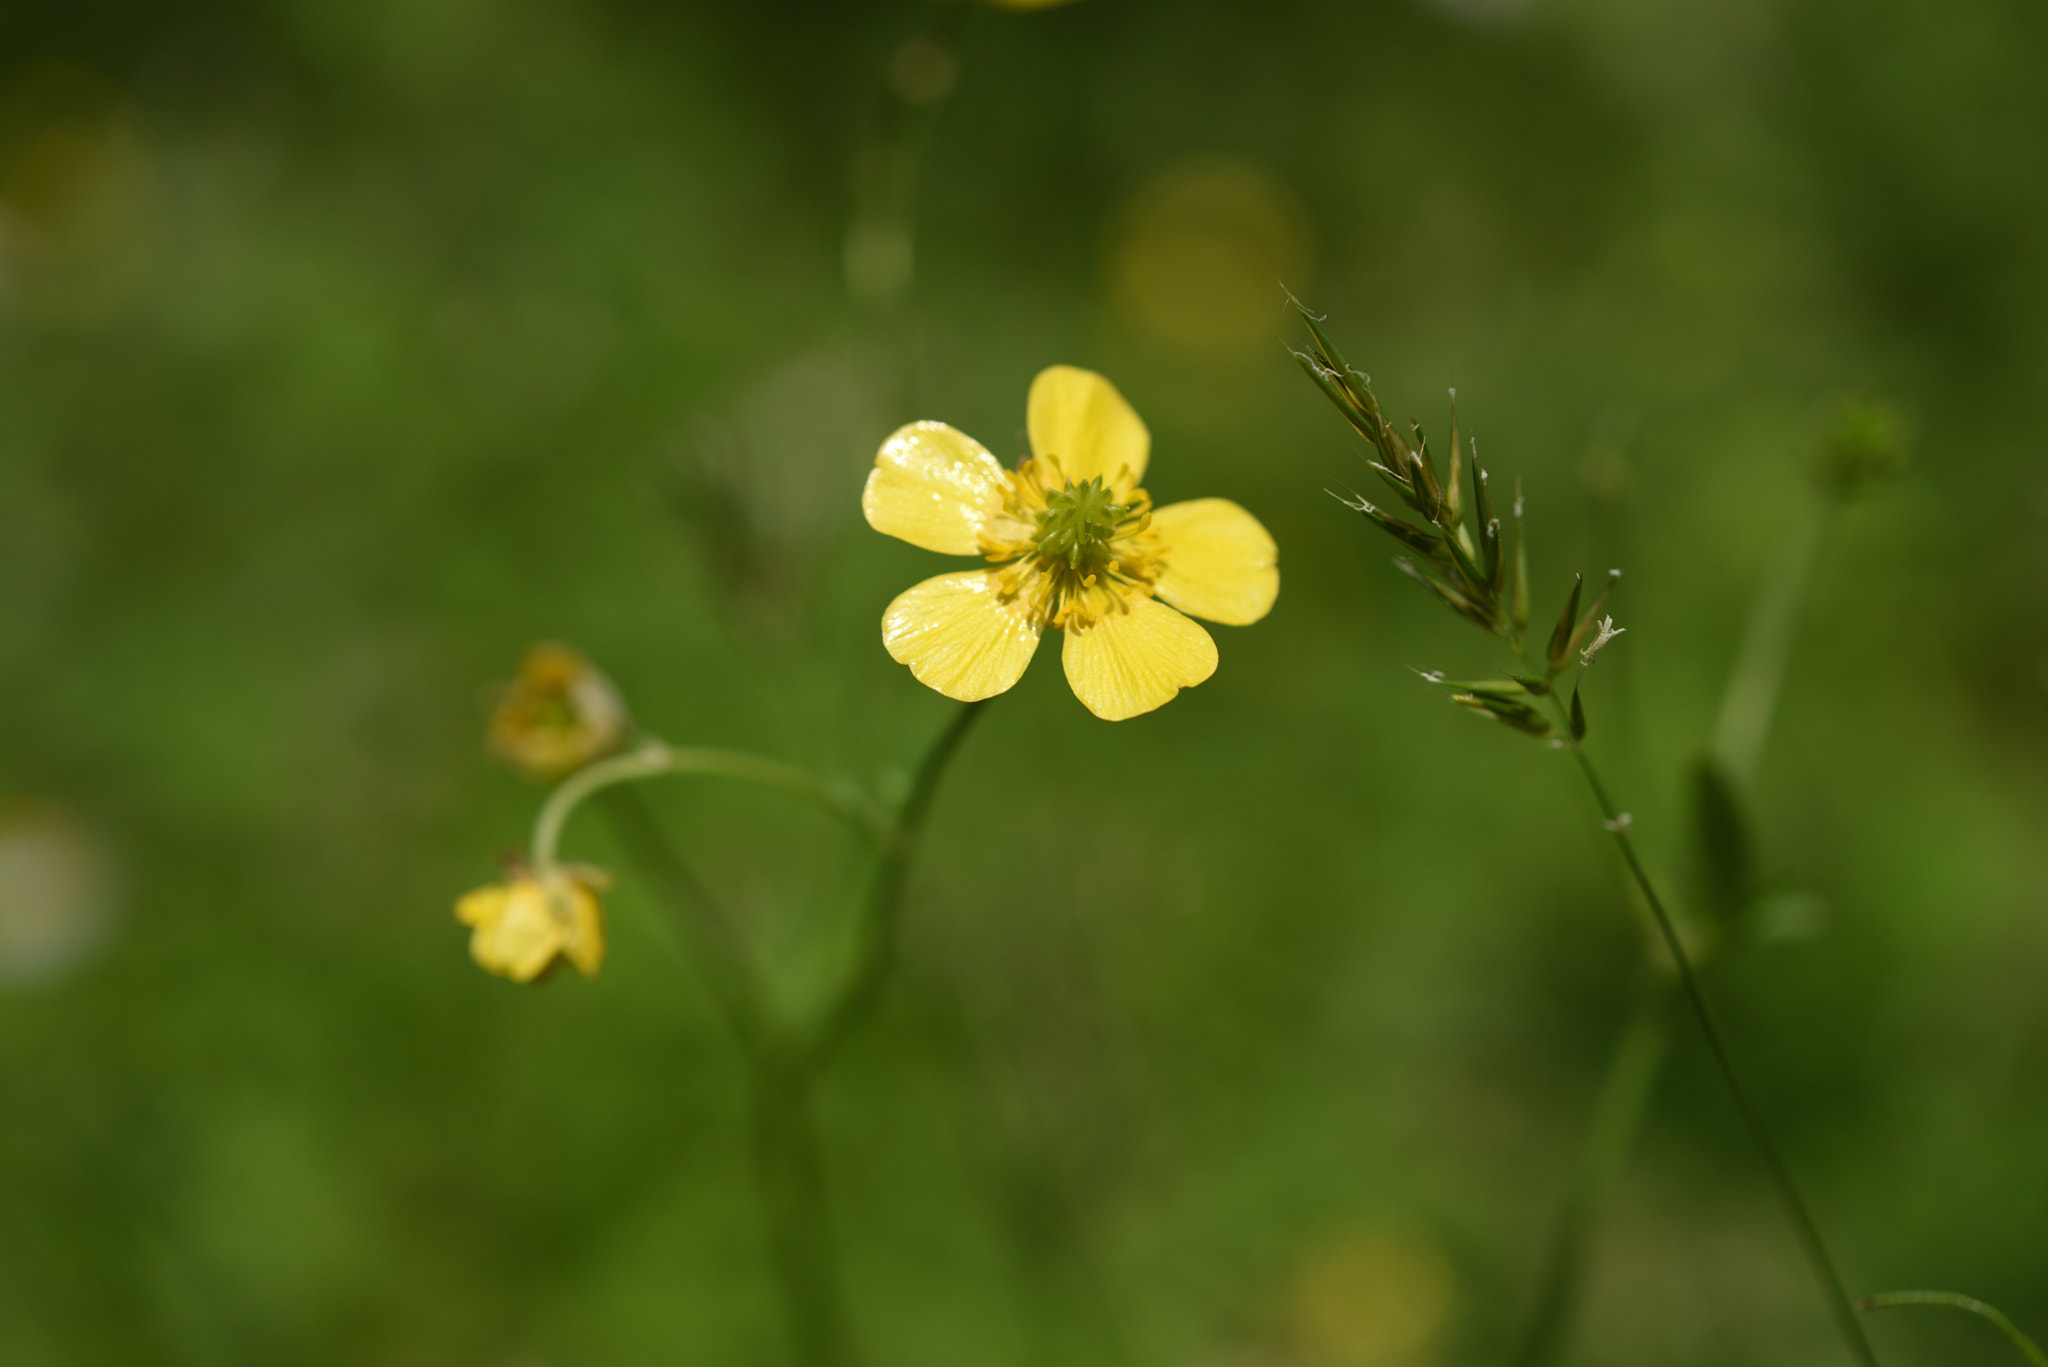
557 716
1076 544
523 926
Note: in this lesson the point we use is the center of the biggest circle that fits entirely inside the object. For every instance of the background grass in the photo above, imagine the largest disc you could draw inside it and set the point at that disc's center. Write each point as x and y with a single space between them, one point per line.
345 349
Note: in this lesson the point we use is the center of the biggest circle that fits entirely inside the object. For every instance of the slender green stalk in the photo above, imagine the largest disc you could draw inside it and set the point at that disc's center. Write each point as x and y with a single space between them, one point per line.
714 945
1892 1299
790 1178
1747 706
784 1059
1752 694
784 1074
1759 1133
1617 1115
655 758
875 947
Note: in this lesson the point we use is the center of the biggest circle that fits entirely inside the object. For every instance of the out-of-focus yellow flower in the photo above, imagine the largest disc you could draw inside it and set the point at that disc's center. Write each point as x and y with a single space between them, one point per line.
1196 255
557 716
57 892
524 925
1369 1299
1077 546
75 221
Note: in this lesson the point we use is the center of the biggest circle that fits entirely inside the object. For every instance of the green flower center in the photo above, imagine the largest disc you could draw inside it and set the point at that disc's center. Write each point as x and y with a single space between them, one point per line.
1077 526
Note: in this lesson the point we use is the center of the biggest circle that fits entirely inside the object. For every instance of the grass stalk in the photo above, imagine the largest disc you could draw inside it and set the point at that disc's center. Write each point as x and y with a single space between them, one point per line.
1950 1300
1803 1223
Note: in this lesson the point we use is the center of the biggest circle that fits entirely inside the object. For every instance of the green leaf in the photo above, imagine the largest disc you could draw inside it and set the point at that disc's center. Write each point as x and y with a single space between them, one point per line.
1721 833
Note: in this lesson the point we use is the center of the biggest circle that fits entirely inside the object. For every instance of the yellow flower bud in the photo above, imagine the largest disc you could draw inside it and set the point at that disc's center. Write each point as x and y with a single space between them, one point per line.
557 716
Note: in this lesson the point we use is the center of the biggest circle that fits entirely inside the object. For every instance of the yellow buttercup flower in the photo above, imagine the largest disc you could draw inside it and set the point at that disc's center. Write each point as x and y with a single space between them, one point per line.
523 926
558 715
1076 545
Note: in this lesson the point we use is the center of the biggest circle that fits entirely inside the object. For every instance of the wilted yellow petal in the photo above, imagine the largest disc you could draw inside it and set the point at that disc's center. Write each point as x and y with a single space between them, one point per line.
957 636
558 715
482 906
1130 662
1219 562
934 486
583 936
1078 419
522 939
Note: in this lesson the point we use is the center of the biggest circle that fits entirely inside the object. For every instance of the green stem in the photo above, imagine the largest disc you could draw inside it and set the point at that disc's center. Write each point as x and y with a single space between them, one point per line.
1891 1299
875 943
787 1164
653 759
716 948
783 1062
790 1178
1752 694
1747 706
1759 1133
1617 1115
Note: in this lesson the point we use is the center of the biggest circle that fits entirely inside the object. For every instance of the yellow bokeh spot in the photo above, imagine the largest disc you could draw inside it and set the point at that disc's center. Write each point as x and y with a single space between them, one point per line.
73 240
1369 1299
1201 255
56 893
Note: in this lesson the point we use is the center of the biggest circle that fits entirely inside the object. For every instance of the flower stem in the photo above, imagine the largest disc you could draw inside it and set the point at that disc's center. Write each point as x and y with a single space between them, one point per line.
1890 1299
1752 1119
655 758
784 1059
875 945
787 1164
715 946
790 1178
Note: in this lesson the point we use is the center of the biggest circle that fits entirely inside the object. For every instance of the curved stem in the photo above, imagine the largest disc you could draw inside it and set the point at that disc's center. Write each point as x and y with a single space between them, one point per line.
654 758
783 1062
874 948
1891 1299
716 948
1752 1119
788 1167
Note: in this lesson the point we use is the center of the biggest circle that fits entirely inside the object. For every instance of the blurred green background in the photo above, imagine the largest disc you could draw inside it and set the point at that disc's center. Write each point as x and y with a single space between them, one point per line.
347 348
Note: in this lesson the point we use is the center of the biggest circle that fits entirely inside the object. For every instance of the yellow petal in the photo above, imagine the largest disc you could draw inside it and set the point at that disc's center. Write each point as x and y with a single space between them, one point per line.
523 939
1077 419
484 905
1219 562
583 935
1130 662
934 486
957 636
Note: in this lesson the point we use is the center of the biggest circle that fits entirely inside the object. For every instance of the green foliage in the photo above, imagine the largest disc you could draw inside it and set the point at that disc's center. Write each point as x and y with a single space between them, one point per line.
402 336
